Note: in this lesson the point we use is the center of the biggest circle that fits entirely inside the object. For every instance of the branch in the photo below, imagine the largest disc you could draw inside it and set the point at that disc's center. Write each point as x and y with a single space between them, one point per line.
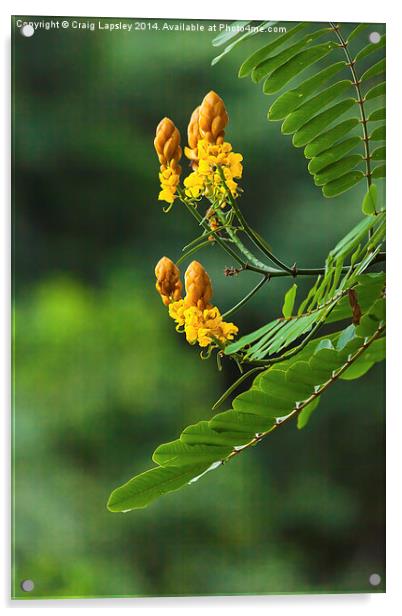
247 297
360 100
313 396
254 237
257 266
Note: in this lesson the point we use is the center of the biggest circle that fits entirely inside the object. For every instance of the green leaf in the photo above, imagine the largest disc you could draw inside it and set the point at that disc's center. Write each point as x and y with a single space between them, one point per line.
177 453
244 423
333 154
224 37
329 138
324 361
304 416
376 351
261 54
376 69
272 63
145 488
310 295
256 401
375 92
202 434
358 369
315 126
342 184
378 114
295 65
371 48
275 382
249 338
379 153
292 99
370 201
339 263
338 169
300 372
346 336
305 112
357 31
289 301
370 320
378 134
241 38
255 350
283 337
379 172
353 238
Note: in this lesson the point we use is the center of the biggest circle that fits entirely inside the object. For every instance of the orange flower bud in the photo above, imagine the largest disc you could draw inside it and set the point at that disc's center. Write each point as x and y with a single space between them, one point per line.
168 282
198 286
167 144
212 118
193 132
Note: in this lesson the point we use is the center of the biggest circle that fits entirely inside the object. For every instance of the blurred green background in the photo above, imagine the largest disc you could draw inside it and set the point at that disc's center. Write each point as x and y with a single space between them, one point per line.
101 378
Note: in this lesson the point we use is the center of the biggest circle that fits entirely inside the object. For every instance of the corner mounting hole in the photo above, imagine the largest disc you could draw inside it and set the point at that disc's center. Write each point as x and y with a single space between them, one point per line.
27 30
27 585
374 37
375 579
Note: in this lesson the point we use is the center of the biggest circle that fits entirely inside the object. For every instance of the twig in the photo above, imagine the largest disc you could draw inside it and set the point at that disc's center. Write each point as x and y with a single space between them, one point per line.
247 297
313 396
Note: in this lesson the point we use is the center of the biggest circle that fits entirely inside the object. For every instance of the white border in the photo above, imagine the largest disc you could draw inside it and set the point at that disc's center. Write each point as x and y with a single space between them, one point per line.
341 10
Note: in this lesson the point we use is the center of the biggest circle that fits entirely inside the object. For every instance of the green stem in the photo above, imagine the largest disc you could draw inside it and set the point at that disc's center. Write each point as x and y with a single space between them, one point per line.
356 82
261 268
193 250
234 386
254 237
194 241
252 262
313 396
198 217
360 100
246 298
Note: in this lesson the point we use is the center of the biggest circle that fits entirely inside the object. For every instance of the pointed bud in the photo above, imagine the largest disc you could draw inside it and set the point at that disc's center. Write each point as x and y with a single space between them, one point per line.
198 286
167 144
213 118
168 282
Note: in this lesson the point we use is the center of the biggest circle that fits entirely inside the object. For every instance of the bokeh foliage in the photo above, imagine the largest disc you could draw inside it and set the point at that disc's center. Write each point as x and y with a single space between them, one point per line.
100 375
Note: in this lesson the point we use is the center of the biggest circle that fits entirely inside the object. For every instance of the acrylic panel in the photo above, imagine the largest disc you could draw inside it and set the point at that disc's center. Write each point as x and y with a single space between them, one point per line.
198 296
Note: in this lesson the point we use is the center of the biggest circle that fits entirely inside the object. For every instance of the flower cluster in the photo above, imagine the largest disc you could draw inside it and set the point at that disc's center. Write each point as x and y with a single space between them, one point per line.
206 180
208 122
167 146
194 315
202 326
207 151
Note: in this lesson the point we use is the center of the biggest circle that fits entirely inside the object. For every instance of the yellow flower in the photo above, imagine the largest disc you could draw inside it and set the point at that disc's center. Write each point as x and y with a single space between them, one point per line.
194 184
202 322
169 178
207 326
206 179
192 321
176 312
